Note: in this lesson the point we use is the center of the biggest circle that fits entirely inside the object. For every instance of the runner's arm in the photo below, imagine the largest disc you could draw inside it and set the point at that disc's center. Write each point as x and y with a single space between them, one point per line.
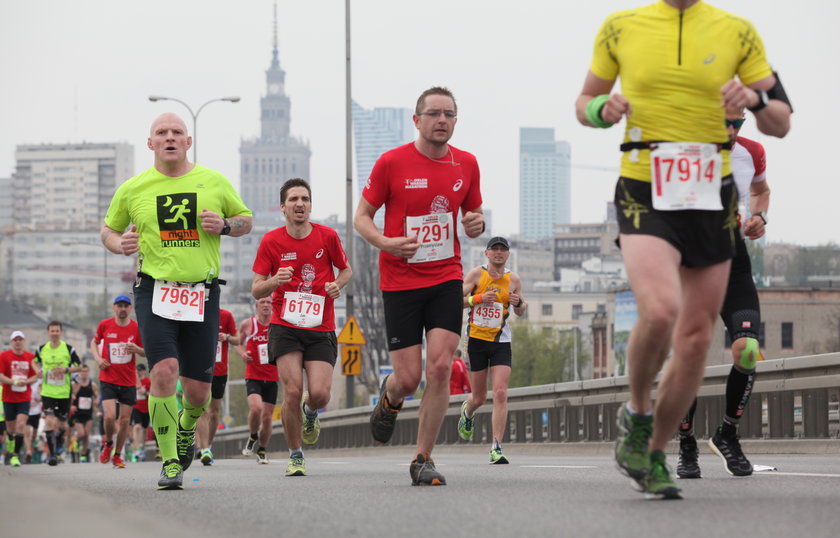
759 201
516 292
244 332
401 247
613 109
333 289
125 243
773 119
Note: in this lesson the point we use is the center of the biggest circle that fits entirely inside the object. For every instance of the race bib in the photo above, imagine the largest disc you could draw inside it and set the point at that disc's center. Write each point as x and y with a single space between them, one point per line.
178 301
303 309
262 349
686 175
118 353
218 351
55 378
436 235
488 315
140 396
19 388
85 403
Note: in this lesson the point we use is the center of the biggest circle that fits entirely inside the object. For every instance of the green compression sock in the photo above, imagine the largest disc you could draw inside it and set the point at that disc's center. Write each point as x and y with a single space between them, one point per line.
164 415
191 413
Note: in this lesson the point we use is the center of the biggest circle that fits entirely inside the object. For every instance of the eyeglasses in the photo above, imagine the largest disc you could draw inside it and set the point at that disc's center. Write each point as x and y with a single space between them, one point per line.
435 113
736 123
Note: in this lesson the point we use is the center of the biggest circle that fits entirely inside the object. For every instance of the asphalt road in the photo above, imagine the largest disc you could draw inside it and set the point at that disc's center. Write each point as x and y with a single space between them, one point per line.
369 493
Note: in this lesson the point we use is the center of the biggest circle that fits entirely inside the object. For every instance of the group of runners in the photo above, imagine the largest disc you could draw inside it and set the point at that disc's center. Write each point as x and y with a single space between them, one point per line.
687 72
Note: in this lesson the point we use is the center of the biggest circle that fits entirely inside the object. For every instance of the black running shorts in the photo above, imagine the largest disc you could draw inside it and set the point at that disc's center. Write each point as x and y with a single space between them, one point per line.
266 389
410 313
217 389
703 238
193 343
121 393
483 354
315 345
741 311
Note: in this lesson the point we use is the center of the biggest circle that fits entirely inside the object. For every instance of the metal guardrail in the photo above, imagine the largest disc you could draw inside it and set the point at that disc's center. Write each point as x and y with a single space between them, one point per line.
792 398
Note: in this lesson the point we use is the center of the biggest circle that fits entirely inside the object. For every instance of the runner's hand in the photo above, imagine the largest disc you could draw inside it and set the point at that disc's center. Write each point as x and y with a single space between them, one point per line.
736 95
616 107
754 227
103 364
132 347
401 247
332 290
130 241
283 276
211 222
514 299
488 297
473 223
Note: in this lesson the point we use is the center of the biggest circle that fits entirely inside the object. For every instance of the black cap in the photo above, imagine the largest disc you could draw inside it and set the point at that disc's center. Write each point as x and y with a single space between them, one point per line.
498 241
141 366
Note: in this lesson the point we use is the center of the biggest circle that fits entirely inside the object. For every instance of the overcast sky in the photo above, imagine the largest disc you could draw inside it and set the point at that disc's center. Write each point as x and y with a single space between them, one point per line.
82 71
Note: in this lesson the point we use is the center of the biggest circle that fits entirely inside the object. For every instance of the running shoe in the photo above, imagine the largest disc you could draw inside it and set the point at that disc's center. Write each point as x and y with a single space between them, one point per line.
631 447
384 418
249 446
53 461
728 447
118 462
261 457
83 459
423 472
658 483
186 444
171 475
14 461
207 457
466 425
105 453
497 457
296 466
687 466
311 428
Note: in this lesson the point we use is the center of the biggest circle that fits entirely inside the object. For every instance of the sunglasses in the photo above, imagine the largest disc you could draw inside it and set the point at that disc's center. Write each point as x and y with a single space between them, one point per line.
736 123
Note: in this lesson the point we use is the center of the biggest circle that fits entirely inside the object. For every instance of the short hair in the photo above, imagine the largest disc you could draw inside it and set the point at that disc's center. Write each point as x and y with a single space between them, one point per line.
85 367
55 323
458 353
434 90
294 182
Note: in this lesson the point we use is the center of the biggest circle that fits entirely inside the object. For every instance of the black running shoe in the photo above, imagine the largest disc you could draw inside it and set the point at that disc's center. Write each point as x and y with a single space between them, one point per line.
186 445
729 449
171 475
687 466
423 472
384 418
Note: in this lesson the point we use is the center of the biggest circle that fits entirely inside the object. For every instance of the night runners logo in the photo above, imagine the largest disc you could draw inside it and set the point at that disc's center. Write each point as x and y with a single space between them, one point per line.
178 220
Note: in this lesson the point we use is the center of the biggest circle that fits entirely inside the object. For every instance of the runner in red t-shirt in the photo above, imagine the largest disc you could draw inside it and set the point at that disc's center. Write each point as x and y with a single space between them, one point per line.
209 421
114 347
260 378
140 413
295 264
17 373
459 380
423 186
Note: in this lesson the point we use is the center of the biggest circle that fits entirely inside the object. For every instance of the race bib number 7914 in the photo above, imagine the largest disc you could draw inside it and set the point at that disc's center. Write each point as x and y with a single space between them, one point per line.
686 175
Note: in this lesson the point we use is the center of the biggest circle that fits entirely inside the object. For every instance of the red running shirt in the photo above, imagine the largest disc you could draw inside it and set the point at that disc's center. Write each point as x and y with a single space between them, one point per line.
257 347
302 302
227 325
17 367
142 404
413 186
111 340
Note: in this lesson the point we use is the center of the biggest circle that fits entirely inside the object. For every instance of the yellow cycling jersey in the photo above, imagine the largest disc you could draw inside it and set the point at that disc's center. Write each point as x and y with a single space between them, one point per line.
672 65
488 321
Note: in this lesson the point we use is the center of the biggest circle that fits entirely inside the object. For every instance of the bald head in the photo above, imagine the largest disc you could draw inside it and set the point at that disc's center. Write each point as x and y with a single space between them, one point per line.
168 118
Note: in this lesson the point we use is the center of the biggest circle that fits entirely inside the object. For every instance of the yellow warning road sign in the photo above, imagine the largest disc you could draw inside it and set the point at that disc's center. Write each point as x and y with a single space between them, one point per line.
351 333
351 360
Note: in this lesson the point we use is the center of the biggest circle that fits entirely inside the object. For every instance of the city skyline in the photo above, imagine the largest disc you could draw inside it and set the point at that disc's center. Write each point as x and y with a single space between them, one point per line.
84 74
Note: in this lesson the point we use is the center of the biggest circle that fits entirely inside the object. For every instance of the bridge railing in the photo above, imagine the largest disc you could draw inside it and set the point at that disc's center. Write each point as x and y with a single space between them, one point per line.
792 398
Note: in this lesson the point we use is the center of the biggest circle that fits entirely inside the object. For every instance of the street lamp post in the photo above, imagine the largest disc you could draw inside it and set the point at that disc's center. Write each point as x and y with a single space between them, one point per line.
155 98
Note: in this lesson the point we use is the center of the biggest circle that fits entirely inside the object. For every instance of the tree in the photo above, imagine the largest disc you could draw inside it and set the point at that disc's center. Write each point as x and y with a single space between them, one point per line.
543 355
370 312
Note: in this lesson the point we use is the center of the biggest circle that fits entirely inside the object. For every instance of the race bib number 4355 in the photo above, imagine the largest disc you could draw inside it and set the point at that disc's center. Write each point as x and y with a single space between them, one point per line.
686 175
178 301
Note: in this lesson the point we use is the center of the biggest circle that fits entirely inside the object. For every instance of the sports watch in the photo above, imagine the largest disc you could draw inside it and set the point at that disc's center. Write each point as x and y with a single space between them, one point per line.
226 227
763 99
762 215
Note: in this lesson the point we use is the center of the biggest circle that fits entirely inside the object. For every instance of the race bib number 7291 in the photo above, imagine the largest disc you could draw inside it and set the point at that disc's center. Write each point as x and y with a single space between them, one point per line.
436 235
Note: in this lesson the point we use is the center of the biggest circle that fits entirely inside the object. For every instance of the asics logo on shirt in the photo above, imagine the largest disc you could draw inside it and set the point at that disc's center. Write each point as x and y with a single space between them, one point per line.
319 254
458 184
709 59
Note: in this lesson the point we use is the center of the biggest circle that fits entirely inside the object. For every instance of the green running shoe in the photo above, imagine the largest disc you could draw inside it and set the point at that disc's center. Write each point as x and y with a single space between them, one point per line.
496 456
171 475
466 425
658 483
186 444
207 457
14 461
311 428
296 467
631 447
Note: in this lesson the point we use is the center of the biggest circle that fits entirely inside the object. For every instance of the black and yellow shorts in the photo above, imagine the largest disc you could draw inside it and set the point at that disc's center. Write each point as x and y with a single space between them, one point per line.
703 238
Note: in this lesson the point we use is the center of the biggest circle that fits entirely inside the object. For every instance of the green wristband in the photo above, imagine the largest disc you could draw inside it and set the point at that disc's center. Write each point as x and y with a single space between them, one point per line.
593 111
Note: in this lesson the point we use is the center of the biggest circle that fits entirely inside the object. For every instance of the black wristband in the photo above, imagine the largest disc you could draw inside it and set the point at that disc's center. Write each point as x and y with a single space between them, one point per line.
225 228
